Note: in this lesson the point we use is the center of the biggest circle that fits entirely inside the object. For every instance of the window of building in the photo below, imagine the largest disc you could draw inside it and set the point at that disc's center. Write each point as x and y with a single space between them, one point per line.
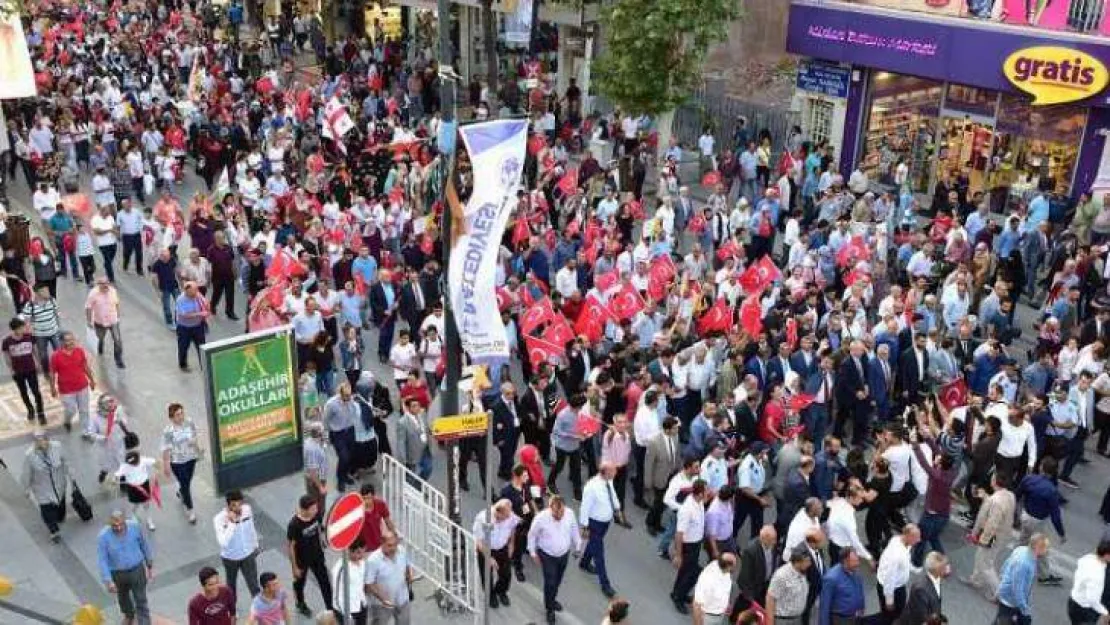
902 127
820 120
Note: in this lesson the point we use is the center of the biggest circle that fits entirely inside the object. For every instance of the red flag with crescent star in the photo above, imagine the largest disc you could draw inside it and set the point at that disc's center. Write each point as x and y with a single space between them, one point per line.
541 351
792 332
558 332
953 394
728 248
626 302
504 299
759 274
537 315
591 321
711 178
800 401
853 251
606 281
568 184
521 231
717 318
751 316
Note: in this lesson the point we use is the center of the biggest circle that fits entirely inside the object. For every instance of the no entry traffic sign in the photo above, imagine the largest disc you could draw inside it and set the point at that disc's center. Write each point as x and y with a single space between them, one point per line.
344 521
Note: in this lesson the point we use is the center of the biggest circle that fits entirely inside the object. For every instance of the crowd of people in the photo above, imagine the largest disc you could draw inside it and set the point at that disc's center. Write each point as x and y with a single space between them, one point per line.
789 353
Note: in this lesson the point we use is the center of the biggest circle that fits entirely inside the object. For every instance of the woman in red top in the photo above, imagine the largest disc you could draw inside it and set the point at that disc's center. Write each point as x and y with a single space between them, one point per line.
416 388
774 413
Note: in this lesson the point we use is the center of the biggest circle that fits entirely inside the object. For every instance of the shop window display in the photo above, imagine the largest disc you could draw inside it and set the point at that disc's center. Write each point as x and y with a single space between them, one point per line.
1035 149
902 126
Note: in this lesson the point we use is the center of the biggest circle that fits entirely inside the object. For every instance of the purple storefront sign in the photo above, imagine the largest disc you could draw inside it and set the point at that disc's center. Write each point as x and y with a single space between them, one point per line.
955 50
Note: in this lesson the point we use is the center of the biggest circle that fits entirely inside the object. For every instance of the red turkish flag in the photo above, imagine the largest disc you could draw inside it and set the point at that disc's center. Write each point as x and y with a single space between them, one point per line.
521 231
759 275
801 401
360 284
852 277
717 318
792 332
568 184
636 207
697 223
587 425
537 315
751 316
626 303
504 298
853 251
535 144
729 248
558 332
592 232
606 281
591 321
711 178
540 351
284 265
953 394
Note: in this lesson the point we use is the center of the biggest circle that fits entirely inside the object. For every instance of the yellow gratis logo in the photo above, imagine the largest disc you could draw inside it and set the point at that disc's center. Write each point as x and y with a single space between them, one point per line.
1054 75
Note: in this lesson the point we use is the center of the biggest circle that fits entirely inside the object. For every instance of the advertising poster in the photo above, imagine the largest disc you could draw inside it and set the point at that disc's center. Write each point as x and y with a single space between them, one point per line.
939 7
252 407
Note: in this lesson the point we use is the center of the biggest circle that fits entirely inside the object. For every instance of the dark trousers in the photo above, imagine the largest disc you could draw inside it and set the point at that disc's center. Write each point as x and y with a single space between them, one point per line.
1078 615
249 568
133 246
553 570
744 509
342 441
1011 468
1074 452
561 458
224 289
109 254
28 384
385 337
188 336
504 570
890 616
595 551
655 513
319 570
639 457
183 471
688 573
620 480
932 526
1008 616
53 514
88 268
520 542
131 593
507 450
1102 426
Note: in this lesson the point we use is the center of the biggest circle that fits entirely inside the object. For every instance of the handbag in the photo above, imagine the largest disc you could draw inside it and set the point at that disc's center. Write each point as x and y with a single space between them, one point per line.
80 504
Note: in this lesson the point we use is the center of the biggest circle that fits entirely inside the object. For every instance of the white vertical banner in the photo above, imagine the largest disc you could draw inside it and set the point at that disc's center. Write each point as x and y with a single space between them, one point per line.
518 23
17 76
497 150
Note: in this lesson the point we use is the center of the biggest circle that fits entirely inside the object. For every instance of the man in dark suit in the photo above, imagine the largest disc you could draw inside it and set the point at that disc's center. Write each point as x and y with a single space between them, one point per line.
506 428
912 371
1096 328
414 304
805 361
852 393
758 366
923 598
814 546
533 416
821 384
579 363
964 349
383 312
797 489
758 561
881 380
779 365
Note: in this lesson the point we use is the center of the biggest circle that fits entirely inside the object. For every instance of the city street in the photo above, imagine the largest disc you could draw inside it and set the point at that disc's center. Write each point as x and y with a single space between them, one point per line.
54 579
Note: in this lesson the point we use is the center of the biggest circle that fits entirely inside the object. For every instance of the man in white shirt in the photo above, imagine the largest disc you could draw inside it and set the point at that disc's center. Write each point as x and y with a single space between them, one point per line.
553 535
893 572
841 525
806 519
566 279
682 481
713 590
598 511
706 145
238 540
46 200
500 547
689 533
1016 435
104 230
136 168
1085 600
130 221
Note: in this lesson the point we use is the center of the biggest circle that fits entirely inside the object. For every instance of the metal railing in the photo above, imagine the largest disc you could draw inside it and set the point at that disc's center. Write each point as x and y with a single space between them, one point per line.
439 549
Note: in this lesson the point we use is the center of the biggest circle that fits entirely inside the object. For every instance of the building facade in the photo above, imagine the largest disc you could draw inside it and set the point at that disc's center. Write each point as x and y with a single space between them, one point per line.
979 93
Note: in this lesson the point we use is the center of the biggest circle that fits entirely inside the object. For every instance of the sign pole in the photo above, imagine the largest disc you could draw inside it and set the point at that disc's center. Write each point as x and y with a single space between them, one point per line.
346 586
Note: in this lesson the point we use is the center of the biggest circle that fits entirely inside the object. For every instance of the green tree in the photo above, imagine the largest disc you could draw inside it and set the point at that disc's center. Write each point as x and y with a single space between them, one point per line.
654 50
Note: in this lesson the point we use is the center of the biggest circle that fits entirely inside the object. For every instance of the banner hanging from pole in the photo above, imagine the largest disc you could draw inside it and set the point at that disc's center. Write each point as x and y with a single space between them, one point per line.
497 150
17 75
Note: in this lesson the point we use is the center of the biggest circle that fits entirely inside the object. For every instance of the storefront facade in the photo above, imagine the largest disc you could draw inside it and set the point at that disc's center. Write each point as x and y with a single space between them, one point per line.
1003 110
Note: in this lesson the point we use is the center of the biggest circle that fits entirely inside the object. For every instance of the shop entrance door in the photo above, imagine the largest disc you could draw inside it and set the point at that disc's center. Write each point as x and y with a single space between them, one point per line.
964 150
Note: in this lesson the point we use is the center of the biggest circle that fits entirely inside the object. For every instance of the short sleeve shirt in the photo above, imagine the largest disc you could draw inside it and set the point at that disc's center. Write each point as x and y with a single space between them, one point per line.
372 525
70 369
20 350
269 611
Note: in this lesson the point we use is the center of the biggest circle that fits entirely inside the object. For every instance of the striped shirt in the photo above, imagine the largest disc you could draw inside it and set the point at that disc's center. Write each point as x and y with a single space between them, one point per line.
43 317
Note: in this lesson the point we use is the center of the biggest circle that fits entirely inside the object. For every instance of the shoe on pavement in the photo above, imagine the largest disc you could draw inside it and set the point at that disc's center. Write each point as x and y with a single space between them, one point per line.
493 602
641 504
609 593
191 517
588 567
304 609
120 365
42 419
55 537
69 427
663 555
680 606
150 525
1067 481
558 607
551 618
520 575
504 597
232 317
1050 580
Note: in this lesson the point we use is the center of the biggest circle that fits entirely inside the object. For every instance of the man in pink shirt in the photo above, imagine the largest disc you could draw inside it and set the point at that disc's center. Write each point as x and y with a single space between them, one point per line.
102 315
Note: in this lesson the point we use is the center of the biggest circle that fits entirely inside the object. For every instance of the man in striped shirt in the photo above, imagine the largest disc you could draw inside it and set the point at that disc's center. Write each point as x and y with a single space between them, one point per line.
46 326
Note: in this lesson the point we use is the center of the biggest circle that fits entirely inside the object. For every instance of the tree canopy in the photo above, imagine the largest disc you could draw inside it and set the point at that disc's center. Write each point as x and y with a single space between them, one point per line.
654 50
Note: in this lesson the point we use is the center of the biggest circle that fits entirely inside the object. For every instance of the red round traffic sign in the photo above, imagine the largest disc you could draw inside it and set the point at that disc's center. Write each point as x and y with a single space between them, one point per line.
344 521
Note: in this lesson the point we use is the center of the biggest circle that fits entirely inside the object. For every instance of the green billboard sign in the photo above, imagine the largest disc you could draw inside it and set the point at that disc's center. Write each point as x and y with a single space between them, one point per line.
252 406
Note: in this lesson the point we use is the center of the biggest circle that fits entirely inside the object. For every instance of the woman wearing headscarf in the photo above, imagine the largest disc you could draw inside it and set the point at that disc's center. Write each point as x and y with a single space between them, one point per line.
110 435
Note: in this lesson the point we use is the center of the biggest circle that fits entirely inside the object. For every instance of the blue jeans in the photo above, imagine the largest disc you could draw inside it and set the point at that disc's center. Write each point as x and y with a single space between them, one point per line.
325 382
595 551
816 420
932 526
342 441
424 467
169 302
1074 451
667 537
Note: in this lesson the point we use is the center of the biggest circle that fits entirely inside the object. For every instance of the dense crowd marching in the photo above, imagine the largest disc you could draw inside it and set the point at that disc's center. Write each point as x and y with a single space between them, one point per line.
788 353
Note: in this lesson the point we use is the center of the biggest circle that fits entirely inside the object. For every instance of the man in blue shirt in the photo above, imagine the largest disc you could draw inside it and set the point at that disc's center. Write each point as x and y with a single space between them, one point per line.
748 162
1016 586
126 565
1040 504
192 320
842 591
